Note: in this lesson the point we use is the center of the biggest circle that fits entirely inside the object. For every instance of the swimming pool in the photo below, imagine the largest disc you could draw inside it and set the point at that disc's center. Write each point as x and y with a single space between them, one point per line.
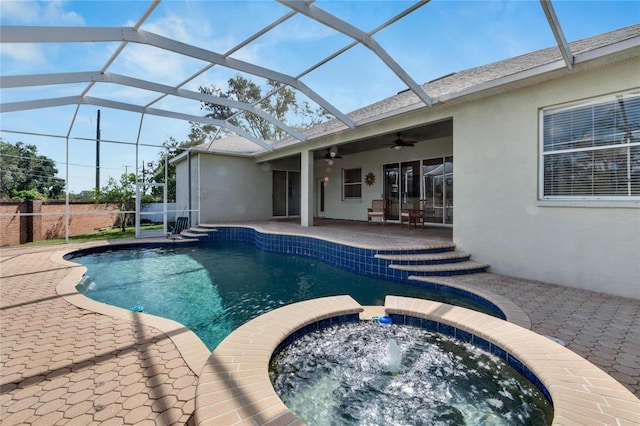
214 288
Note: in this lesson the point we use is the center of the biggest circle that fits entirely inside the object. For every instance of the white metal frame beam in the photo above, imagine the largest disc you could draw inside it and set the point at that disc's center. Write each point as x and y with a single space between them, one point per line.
349 30
36 34
87 100
105 77
550 13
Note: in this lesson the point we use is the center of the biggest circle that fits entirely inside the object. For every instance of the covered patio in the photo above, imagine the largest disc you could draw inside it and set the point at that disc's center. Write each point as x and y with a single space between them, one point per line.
65 364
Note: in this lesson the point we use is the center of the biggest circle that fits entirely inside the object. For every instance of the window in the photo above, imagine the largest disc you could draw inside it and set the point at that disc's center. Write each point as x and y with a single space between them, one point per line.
592 150
351 184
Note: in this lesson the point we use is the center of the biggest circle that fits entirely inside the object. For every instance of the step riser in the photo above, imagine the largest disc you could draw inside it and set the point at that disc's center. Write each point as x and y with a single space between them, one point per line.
448 273
430 262
418 251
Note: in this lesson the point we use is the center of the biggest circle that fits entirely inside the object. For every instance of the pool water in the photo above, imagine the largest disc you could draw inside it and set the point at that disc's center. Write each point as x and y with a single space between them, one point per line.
372 374
213 289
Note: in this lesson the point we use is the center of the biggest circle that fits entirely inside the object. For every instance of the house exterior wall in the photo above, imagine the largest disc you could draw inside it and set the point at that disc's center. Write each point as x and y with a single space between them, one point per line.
589 245
233 189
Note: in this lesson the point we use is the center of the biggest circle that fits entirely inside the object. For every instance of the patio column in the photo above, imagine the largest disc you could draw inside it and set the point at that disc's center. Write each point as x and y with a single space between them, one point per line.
306 188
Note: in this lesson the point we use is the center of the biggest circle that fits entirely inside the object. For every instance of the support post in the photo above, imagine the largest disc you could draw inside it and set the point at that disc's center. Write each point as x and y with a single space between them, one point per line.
98 153
306 188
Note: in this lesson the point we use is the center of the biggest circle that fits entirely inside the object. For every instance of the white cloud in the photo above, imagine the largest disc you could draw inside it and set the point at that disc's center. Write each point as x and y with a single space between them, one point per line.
39 13
55 14
21 12
24 52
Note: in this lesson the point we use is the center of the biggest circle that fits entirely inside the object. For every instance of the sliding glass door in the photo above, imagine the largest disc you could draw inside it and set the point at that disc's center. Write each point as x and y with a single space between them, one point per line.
392 191
401 187
437 177
286 193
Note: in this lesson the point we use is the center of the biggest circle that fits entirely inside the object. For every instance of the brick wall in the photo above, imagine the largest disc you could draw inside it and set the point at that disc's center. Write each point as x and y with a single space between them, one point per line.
48 220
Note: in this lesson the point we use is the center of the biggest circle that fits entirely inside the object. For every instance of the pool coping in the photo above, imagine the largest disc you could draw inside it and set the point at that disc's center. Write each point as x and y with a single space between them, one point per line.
234 385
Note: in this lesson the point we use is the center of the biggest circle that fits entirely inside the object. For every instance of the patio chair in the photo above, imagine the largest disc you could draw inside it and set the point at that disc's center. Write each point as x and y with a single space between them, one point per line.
414 216
377 211
182 223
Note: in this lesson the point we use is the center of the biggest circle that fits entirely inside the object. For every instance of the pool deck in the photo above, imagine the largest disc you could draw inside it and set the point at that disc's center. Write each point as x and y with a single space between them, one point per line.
64 364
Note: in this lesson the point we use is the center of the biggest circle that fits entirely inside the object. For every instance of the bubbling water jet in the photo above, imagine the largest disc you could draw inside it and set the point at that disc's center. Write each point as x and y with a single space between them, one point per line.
394 356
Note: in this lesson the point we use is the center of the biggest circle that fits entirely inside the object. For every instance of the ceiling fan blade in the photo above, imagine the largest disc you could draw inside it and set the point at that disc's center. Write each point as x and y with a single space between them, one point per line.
401 142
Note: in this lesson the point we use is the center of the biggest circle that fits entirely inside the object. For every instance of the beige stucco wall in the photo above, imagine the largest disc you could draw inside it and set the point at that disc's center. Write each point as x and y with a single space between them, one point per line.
233 189
595 246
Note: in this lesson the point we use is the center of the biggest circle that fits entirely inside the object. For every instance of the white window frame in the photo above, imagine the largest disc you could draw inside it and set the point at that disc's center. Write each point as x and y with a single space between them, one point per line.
345 184
635 94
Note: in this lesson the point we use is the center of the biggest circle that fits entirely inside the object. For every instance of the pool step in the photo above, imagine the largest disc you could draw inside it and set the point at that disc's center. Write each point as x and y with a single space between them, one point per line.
201 232
207 227
437 261
443 269
430 249
202 229
425 258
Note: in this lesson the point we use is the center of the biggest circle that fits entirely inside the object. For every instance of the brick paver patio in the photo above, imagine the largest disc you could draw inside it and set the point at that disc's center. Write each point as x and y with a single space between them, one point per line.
64 365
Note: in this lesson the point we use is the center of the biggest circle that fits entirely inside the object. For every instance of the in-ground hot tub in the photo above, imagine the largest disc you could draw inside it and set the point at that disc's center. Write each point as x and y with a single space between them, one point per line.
234 385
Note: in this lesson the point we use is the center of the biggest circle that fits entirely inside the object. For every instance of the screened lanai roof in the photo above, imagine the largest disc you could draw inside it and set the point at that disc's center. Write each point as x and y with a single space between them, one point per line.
143 62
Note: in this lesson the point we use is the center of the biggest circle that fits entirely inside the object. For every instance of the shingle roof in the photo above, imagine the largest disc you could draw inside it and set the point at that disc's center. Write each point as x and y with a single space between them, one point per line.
459 82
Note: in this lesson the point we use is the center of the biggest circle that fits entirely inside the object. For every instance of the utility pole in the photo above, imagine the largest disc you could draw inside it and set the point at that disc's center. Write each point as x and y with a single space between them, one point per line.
98 154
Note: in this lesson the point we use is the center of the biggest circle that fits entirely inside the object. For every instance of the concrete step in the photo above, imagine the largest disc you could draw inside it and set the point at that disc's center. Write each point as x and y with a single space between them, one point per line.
207 226
202 229
190 234
430 249
425 258
443 269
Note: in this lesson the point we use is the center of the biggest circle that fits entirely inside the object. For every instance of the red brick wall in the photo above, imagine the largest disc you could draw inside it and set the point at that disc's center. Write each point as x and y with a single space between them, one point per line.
13 229
48 220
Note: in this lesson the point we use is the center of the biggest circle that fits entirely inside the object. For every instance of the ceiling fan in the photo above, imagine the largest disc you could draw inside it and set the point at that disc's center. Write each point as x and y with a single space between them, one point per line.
400 143
331 155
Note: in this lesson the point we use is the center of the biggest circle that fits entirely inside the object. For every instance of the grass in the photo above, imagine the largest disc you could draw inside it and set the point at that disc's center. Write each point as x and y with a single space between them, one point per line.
107 234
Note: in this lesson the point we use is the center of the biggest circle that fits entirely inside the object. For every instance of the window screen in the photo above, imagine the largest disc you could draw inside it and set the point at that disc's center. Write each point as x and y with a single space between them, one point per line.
352 183
592 150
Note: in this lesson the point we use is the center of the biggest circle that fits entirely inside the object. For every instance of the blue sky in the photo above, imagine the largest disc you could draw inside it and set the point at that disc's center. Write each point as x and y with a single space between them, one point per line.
440 37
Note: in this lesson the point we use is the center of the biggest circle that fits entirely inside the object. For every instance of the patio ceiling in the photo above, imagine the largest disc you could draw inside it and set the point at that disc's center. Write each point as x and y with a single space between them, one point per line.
87 87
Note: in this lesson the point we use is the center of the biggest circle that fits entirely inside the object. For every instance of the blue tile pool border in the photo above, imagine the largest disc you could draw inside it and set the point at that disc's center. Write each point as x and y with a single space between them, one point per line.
353 259
316 325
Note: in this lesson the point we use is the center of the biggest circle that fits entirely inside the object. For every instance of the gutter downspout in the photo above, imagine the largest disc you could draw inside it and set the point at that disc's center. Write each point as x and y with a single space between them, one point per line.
189 181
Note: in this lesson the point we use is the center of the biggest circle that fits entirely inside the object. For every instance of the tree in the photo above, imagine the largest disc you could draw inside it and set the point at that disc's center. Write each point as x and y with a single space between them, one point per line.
83 195
282 105
23 171
121 193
